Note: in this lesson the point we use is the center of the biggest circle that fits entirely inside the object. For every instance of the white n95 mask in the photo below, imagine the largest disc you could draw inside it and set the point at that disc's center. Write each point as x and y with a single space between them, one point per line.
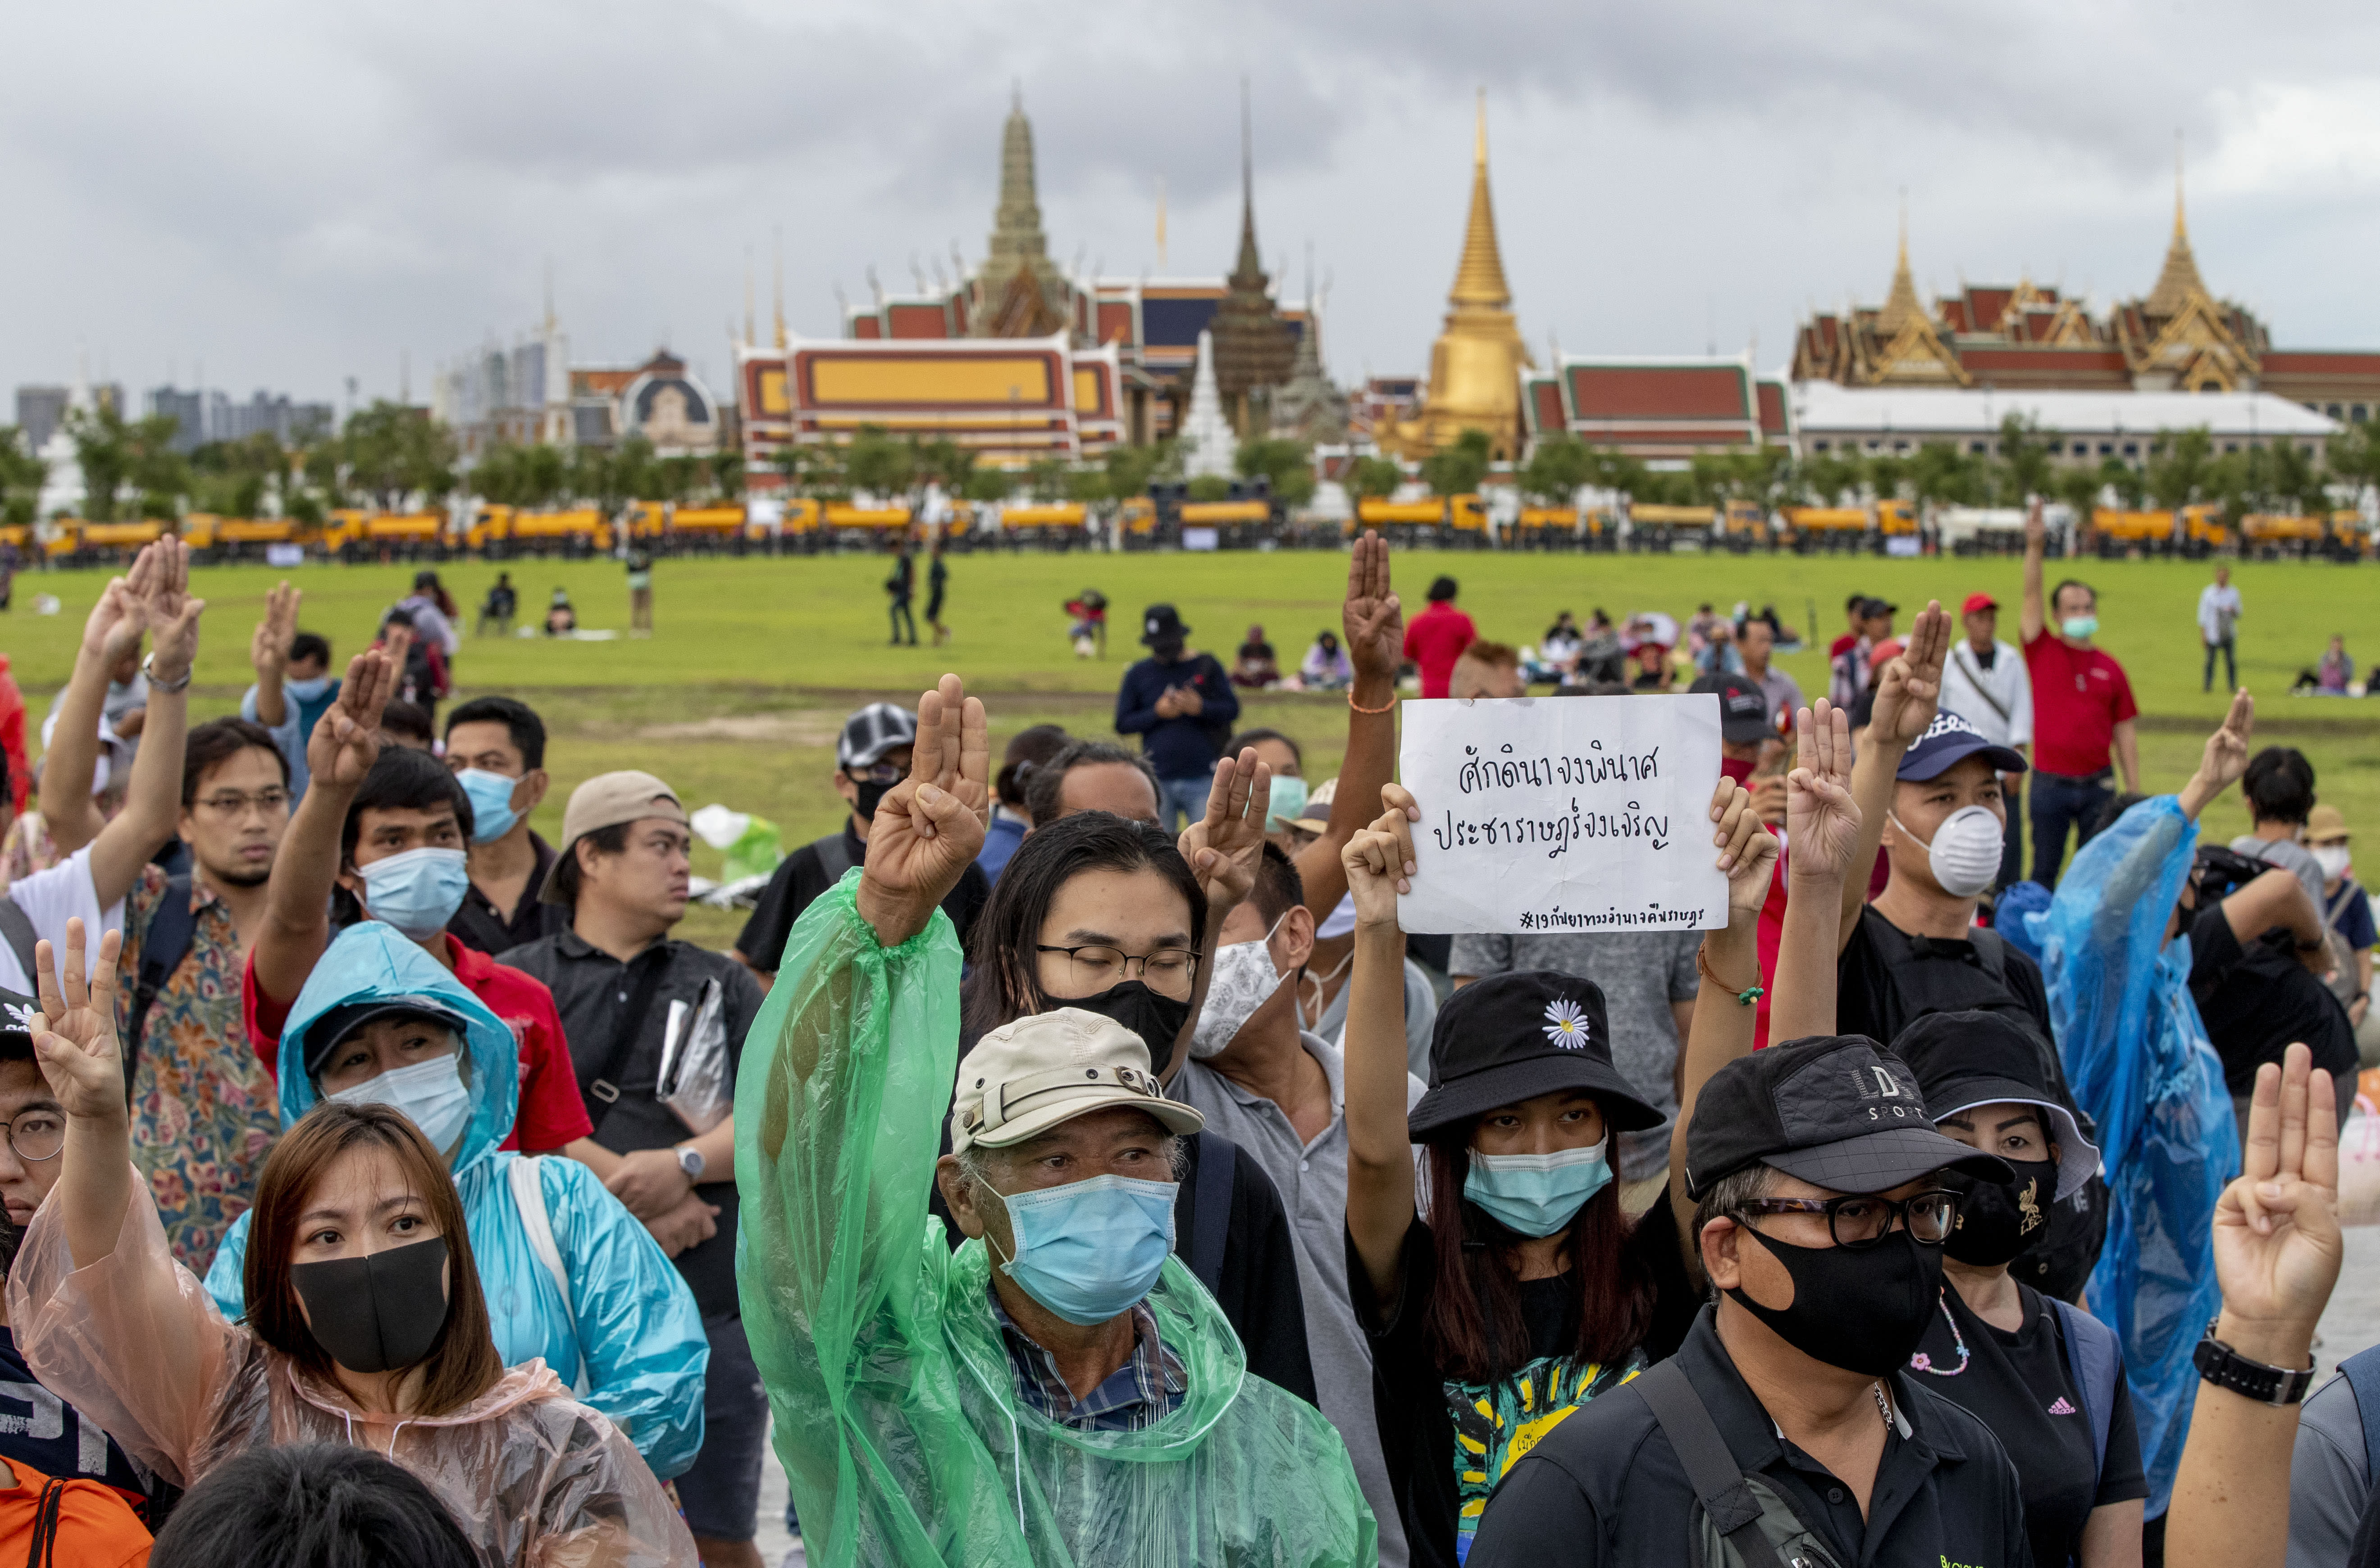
1965 854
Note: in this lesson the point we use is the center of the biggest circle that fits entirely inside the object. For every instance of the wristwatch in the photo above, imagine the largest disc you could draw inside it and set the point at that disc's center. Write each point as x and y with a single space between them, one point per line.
157 682
2226 1369
690 1161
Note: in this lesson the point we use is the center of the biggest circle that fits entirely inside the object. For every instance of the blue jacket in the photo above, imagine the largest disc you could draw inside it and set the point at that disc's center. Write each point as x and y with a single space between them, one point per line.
630 1316
1183 748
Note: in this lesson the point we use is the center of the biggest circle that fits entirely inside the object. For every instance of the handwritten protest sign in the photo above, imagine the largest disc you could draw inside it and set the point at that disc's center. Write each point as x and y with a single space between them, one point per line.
1563 814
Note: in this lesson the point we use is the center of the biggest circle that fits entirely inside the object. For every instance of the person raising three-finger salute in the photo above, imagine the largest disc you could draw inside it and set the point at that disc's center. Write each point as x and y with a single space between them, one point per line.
1523 1291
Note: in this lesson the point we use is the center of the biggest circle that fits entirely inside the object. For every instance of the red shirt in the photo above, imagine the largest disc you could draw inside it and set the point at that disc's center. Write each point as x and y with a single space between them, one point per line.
551 1112
2080 695
1434 640
1843 645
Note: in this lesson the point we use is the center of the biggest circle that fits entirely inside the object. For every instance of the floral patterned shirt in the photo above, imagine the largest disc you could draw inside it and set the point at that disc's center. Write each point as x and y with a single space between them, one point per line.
204 1110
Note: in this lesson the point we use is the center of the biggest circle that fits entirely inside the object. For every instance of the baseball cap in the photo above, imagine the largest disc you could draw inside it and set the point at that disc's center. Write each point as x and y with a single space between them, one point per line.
1951 739
1742 707
1026 1077
1161 623
604 801
1516 1036
1315 818
1978 601
323 1035
1837 1110
1872 607
871 732
19 1015
1967 1058
2326 824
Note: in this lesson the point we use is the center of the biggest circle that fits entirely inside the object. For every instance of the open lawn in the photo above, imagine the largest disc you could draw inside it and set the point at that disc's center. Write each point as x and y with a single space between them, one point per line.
738 695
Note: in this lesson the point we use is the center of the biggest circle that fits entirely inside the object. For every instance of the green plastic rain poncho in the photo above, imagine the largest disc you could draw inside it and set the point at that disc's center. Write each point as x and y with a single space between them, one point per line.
897 1414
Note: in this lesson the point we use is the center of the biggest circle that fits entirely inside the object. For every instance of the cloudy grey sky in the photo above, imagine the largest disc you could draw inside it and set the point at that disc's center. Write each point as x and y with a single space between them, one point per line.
290 193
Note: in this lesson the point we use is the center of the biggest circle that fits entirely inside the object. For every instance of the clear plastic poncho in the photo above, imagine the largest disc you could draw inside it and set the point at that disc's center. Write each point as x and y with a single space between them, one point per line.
897 1418
2139 1062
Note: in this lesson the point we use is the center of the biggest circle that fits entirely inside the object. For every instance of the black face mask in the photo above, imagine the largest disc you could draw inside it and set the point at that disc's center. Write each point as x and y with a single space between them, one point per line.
1156 1019
1863 1311
871 795
377 1313
2000 1224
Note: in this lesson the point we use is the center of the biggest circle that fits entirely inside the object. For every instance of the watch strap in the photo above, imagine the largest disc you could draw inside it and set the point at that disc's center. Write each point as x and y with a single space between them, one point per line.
690 1161
2225 1367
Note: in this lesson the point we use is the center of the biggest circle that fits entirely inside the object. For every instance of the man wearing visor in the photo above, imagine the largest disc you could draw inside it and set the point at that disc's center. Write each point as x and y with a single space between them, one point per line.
1059 1388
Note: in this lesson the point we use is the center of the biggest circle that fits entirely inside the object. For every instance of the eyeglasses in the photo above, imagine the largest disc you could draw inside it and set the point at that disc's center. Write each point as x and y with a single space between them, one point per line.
232 803
37 1135
1100 967
1862 1220
882 773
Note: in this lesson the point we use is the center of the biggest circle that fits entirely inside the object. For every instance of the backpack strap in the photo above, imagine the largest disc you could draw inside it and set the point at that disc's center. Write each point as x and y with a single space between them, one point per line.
1710 1468
2361 1371
2092 1359
164 944
1991 954
536 1221
44 1549
834 855
17 930
1211 1219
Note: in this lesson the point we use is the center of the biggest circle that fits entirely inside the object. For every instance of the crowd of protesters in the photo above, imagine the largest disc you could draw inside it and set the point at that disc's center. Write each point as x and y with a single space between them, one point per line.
1074 1162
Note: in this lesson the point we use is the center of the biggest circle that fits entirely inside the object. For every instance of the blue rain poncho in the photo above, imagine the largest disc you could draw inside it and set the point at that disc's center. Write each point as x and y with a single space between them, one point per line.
2139 1062
897 1414
630 1319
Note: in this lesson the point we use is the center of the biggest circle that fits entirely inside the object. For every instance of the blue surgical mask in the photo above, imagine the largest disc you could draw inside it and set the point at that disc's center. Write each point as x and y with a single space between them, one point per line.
416 892
1538 1194
492 803
1088 1250
2078 627
306 690
432 1093
1288 803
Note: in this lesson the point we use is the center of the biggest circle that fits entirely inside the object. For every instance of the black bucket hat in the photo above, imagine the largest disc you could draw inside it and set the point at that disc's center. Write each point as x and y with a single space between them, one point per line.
1161 623
1514 1037
1967 1058
1837 1110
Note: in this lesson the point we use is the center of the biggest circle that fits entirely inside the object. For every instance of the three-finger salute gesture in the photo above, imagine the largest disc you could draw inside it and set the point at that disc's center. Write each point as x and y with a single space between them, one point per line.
1747 850
929 827
1225 847
2277 1242
75 1040
346 741
1911 685
1822 820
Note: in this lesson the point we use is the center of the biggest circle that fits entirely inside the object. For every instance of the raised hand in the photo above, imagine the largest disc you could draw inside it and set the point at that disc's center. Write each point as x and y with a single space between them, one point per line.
2226 758
346 741
929 827
1822 820
2036 530
167 606
268 649
1912 684
75 1041
1373 618
1225 847
116 622
1379 858
2277 1243
1747 851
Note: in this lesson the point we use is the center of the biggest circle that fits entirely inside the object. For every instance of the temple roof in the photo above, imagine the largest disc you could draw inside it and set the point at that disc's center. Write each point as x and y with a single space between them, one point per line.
1479 277
1901 305
2180 278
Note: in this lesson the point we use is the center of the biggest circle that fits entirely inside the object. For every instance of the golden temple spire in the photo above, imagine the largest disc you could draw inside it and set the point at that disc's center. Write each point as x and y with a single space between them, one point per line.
1479 279
2178 279
1901 305
778 260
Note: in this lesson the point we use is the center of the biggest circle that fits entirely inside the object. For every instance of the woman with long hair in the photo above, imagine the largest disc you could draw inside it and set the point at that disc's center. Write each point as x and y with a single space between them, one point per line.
365 1324
1504 1287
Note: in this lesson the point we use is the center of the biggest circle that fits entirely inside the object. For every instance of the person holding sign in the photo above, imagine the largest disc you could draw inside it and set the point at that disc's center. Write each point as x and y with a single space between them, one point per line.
1523 1293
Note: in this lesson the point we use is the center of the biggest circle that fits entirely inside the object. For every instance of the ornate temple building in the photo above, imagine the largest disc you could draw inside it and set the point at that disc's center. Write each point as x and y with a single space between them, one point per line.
2178 337
1023 359
1476 365
1660 410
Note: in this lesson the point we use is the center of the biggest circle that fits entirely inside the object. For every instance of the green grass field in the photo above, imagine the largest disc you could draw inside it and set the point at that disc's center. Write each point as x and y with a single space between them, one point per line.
738 697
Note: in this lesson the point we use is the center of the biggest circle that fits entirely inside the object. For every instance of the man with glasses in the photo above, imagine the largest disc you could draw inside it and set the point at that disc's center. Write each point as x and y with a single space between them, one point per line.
37 1428
1823 1197
871 756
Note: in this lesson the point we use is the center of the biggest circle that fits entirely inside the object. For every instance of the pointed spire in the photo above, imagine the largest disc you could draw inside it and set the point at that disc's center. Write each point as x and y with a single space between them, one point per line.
749 327
1901 305
1479 277
1160 223
778 284
2178 279
1250 265
1017 241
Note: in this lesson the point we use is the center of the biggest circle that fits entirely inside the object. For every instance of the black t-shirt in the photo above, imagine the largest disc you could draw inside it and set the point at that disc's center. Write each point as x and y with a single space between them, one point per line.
43 1432
1446 1441
1878 992
2257 999
2019 1386
801 877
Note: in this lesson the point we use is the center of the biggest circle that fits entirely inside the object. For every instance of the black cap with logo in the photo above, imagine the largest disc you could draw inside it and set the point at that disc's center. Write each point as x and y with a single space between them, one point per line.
1161 623
1836 1110
19 1016
1742 707
1513 1037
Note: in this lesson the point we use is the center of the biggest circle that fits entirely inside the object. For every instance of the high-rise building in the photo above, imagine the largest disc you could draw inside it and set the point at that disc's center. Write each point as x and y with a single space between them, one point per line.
40 410
186 409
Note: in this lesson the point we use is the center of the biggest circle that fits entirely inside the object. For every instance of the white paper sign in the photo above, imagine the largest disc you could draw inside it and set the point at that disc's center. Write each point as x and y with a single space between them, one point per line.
1543 814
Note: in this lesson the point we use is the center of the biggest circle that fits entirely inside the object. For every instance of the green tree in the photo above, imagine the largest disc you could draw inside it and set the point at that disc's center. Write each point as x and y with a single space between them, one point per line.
1940 473
2025 461
21 474
2354 457
727 474
2177 475
1830 481
878 463
392 452
2127 482
1210 487
1129 470
1460 468
1374 478
990 483
1556 469
1047 479
2079 488
236 479
1888 476
1287 466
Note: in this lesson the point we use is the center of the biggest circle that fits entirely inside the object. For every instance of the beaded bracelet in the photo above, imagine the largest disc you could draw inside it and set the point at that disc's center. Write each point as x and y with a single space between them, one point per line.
1747 996
1389 706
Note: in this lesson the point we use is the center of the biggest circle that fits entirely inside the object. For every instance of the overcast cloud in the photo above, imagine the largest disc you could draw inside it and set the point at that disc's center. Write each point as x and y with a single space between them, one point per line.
291 193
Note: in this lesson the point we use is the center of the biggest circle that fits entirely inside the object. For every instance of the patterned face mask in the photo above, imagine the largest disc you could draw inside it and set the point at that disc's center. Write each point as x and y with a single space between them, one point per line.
1244 981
